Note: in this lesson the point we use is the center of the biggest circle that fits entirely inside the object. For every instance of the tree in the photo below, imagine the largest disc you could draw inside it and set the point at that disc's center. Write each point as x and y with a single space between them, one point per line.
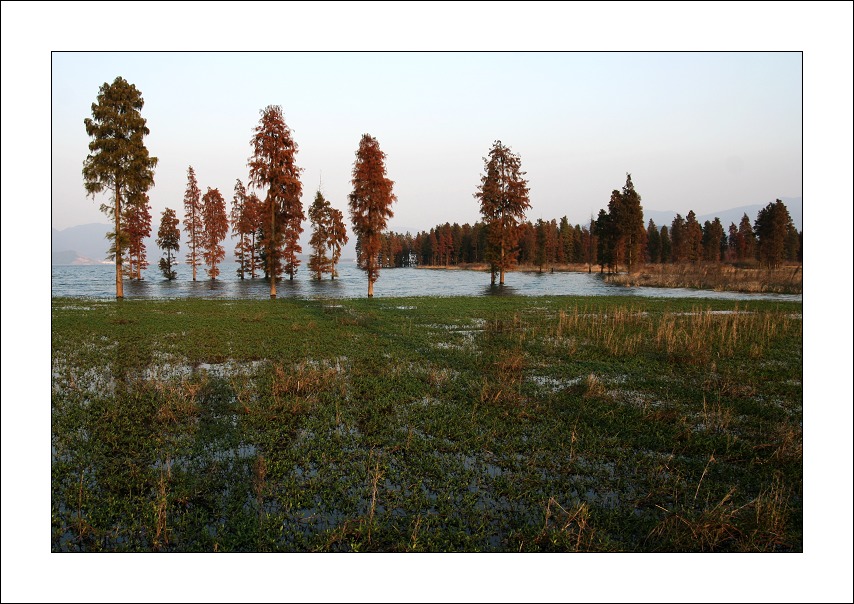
216 228
713 235
628 222
679 239
565 249
693 238
168 239
137 221
242 227
193 223
503 196
604 231
337 237
666 245
255 213
118 159
772 227
272 166
370 205
320 218
653 242
746 246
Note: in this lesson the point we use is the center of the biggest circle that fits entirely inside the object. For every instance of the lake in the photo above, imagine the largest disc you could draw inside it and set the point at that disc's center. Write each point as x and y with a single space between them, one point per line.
99 282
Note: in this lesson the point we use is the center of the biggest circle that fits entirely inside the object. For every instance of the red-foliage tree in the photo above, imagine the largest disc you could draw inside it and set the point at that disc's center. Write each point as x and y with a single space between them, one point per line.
137 220
503 195
370 205
272 166
216 228
244 225
337 237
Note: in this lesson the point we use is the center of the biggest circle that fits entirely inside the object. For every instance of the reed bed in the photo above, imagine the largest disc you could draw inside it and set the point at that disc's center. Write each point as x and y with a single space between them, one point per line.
716 277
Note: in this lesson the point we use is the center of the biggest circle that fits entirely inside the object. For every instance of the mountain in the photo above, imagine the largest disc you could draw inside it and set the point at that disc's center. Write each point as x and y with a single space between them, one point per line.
88 244
83 244
727 217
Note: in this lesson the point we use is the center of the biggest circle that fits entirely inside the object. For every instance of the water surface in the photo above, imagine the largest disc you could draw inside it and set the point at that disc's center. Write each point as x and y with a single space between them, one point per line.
99 282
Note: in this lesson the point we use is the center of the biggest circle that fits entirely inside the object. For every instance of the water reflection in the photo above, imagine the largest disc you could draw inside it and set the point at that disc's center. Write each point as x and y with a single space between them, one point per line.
99 282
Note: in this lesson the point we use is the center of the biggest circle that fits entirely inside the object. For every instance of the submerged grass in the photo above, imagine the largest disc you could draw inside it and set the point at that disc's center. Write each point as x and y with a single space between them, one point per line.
427 424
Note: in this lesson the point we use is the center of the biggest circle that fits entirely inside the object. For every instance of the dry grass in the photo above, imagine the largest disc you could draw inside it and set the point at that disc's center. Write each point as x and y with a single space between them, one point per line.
571 526
714 276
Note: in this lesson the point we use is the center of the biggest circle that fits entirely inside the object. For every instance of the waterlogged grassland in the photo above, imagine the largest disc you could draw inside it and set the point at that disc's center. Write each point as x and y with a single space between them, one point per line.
427 424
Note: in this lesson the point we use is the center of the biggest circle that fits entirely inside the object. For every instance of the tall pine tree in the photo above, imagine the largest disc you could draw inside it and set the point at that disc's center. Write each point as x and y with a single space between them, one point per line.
193 221
118 159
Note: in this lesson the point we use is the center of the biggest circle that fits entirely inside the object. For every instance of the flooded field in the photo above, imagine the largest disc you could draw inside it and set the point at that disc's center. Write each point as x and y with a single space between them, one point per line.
427 424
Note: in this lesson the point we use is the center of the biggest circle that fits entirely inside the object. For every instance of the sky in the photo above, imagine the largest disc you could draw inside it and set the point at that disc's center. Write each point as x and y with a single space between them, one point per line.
697 131
702 131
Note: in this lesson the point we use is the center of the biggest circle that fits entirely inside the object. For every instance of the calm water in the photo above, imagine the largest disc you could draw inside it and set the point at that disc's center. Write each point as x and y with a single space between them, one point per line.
99 282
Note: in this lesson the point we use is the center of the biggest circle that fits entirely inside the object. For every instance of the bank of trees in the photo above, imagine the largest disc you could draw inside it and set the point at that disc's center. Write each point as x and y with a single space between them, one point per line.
768 241
548 243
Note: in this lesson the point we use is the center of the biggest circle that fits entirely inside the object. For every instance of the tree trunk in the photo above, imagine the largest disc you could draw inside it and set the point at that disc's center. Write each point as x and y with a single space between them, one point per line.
501 281
271 252
119 283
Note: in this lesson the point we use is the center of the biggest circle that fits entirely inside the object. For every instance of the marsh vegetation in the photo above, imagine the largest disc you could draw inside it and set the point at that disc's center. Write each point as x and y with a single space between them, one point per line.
427 424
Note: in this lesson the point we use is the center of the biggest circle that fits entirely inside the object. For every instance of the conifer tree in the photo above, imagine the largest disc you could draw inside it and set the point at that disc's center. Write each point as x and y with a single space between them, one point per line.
272 166
215 222
118 160
243 226
193 222
653 242
137 220
370 205
772 227
168 240
666 245
693 238
503 196
746 240
320 217
337 238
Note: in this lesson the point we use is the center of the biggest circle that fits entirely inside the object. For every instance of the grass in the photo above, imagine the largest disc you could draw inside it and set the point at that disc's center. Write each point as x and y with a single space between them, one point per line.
427 424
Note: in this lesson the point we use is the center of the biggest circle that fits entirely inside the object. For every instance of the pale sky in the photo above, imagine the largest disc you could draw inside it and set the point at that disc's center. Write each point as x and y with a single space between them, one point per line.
698 131
701 131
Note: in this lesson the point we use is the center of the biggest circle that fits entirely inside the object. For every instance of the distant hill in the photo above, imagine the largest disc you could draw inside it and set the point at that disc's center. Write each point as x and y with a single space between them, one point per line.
727 217
88 244
83 244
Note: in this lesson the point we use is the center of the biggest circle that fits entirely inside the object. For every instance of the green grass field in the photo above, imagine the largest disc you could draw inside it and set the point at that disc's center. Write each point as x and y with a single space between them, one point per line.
427 424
